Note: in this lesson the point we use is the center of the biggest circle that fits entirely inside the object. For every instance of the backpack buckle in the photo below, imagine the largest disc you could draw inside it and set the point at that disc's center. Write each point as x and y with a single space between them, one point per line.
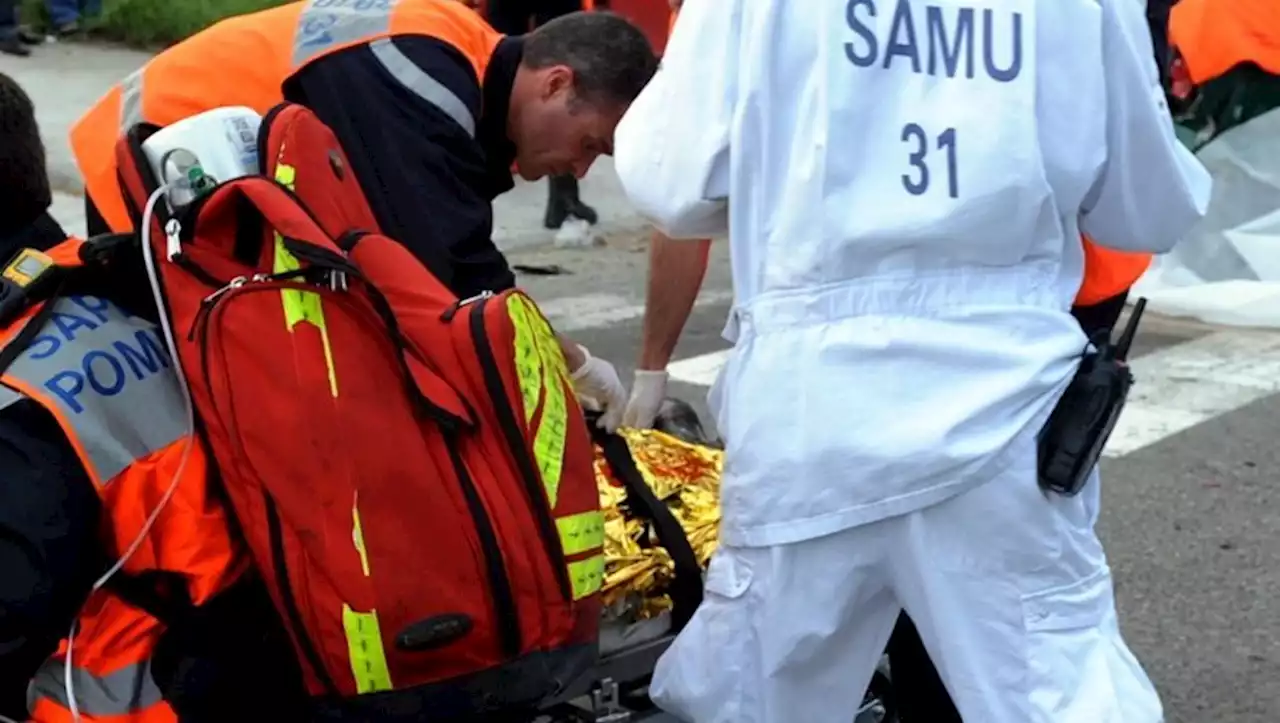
337 281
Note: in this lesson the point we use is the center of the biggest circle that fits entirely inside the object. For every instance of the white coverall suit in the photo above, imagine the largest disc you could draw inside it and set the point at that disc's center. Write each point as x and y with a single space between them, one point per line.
904 185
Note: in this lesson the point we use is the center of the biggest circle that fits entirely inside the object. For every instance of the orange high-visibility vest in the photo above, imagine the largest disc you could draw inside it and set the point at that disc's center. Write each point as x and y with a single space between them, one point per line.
1108 272
107 379
245 60
1213 36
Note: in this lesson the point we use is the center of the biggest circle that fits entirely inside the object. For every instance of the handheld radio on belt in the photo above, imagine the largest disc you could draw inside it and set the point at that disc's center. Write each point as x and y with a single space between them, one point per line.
1072 440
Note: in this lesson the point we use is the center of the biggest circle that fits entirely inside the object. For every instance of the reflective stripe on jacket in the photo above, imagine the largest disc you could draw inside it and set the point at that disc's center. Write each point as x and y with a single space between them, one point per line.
245 60
107 379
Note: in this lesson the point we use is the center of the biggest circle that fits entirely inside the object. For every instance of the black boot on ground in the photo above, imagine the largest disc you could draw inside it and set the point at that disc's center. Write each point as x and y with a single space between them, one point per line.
563 202
13 45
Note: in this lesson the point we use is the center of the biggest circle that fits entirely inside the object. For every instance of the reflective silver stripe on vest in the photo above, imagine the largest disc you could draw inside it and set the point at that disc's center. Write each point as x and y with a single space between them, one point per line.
131 100
423 85
328 24
124 691
108 376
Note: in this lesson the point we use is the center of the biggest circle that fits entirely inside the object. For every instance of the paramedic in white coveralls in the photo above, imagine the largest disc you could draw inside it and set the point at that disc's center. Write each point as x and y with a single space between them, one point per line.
904 185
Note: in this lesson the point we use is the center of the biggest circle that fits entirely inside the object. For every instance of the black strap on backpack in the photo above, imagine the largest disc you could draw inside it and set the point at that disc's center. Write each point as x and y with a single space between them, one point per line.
686 588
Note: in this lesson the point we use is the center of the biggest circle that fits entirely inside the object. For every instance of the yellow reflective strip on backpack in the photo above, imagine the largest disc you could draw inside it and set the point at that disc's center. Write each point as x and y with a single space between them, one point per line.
357 534
286 175
586 576
543 330
549 444
364 645
364 636
300 305
549 438
581 532
528 363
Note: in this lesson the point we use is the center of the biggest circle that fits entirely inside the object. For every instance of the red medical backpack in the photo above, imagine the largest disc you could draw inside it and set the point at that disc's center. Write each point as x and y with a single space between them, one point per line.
411 471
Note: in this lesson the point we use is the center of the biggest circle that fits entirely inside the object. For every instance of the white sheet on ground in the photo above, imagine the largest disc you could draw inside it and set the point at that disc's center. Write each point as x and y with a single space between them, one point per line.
1227 271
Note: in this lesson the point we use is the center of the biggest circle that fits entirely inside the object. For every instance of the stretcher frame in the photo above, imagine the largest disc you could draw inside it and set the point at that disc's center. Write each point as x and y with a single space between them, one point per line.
615 690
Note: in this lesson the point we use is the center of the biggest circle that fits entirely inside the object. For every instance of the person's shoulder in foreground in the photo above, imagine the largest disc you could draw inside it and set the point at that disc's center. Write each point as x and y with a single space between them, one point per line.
24 183
48 508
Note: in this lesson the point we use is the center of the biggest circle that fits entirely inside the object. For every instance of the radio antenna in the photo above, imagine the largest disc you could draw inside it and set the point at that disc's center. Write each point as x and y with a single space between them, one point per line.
1130 330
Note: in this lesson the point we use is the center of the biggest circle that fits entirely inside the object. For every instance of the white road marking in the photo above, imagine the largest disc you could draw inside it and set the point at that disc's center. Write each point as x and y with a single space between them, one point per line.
68 210
700 370
1176 388
1187 384
594 311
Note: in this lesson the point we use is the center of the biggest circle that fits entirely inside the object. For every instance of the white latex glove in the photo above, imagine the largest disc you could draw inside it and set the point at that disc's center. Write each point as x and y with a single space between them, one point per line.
648 390
598 381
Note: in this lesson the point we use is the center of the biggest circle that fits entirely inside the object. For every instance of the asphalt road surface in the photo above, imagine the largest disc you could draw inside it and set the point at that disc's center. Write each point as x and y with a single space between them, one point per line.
1191 515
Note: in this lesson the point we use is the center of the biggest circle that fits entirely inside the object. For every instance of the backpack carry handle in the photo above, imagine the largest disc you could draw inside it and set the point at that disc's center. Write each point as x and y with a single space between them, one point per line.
434 395
300 228
686 588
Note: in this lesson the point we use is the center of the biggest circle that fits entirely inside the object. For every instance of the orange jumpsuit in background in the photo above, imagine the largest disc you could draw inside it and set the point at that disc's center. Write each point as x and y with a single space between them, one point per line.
1213 36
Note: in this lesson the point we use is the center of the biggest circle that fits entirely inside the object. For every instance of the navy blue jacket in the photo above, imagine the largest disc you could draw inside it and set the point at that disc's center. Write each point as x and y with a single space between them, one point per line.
430 183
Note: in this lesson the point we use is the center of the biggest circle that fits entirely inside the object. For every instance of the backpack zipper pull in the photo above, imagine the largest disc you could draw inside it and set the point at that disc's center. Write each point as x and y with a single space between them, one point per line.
208 302
173 238
337 281
235 283
457 305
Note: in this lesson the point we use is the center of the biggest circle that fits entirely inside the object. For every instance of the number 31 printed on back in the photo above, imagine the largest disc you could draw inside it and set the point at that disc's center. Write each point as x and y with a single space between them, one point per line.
939 40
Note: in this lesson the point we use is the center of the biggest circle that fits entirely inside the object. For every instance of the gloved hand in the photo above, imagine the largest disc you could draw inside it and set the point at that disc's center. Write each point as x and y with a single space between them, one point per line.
648 389
598 381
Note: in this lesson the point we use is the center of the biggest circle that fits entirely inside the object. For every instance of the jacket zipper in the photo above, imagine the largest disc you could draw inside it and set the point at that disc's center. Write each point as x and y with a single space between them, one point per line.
501 593
510 425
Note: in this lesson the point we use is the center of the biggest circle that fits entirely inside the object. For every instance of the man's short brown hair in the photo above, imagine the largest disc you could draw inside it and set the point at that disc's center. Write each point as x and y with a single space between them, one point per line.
611 58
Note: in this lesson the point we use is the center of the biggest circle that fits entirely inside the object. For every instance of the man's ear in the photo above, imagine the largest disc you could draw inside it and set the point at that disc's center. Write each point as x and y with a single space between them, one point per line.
558 79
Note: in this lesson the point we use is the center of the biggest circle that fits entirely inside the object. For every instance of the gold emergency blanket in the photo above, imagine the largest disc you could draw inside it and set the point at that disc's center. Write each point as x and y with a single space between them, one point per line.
684 476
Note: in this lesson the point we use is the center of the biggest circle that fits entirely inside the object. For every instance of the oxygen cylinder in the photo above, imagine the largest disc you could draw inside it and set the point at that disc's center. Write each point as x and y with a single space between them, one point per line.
198 153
